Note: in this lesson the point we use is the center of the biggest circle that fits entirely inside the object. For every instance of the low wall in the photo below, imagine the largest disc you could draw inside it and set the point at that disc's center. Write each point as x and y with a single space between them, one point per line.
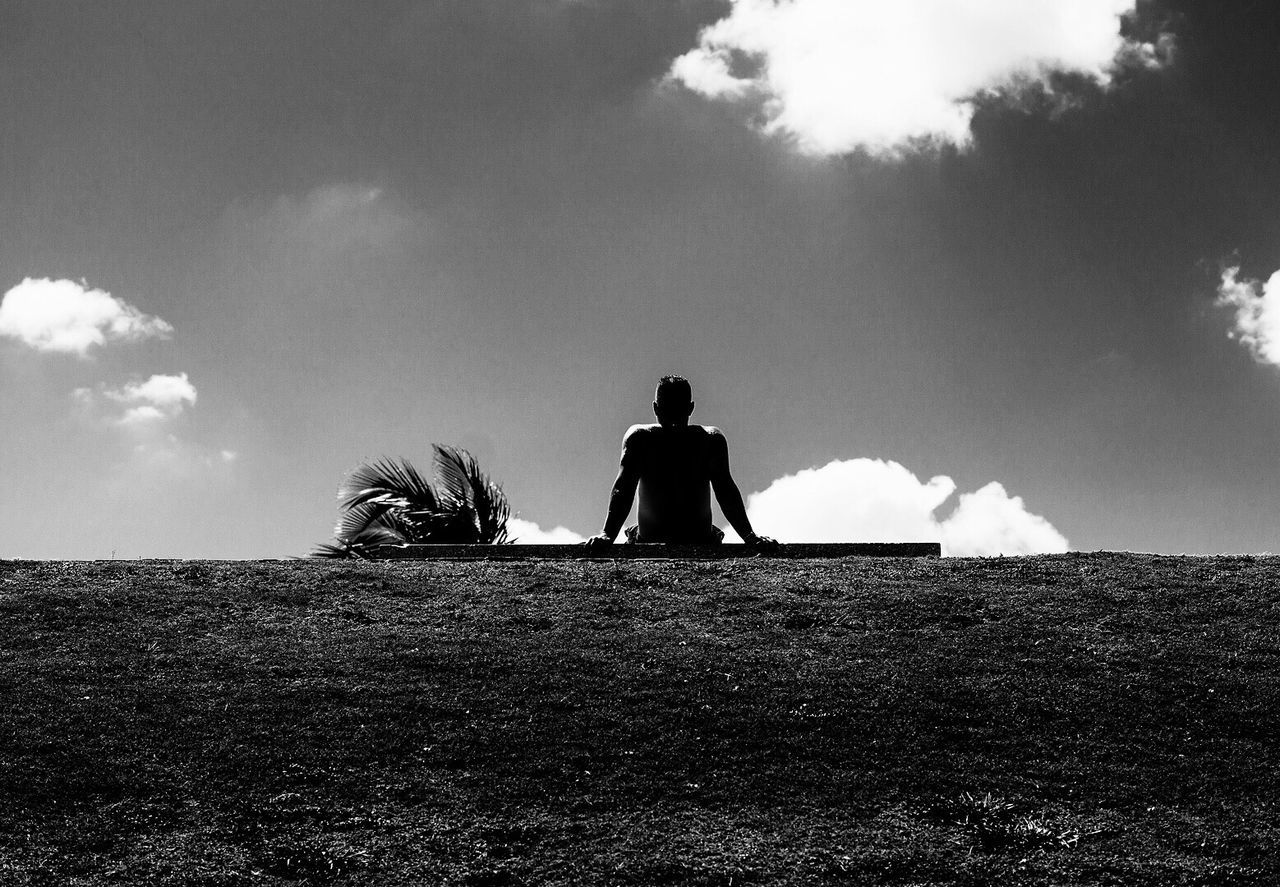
641 551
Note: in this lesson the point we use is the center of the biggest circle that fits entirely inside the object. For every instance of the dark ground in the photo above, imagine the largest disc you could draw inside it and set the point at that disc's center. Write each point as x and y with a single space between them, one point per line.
1076 719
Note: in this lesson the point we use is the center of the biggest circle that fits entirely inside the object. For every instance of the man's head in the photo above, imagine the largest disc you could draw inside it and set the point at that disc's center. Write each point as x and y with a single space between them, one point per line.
673 401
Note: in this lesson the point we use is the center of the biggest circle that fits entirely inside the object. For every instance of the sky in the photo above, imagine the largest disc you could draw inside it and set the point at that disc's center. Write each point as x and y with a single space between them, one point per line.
1002 274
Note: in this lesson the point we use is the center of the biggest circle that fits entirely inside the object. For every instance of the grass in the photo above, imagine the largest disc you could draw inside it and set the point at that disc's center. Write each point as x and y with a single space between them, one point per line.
1078 719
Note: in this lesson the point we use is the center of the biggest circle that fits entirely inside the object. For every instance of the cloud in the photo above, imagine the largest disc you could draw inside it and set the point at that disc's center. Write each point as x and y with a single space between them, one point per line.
871 500
144 402
836 75
68 317
140 416
156 455
990 522
159 397
1257 307
528 533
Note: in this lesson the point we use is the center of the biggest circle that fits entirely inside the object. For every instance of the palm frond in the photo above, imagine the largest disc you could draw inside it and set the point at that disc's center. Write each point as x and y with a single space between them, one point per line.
360 517
388 502
453 470
460 476
364 545
455 526
388 531
395 478
491 509
331 550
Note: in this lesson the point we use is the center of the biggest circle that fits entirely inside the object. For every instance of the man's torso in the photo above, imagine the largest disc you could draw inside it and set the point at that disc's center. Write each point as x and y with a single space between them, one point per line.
675 467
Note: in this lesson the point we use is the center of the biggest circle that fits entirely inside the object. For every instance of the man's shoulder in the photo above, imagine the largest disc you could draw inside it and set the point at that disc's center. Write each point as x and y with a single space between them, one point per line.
637 433
713 436
640 430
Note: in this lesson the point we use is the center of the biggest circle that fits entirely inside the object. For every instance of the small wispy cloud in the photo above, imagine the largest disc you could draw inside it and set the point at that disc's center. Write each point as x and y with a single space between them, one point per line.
1256 303
141 416
872 500
323 223
158 455
70 318
836 75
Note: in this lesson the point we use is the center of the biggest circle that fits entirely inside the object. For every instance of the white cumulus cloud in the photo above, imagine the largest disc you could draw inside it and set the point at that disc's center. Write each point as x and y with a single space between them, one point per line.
69 317
152 400
990 522
1257 307
872 500
836 75
529 533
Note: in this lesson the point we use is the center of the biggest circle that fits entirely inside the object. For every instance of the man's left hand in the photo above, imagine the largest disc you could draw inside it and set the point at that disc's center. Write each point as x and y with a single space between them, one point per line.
763 544
598 542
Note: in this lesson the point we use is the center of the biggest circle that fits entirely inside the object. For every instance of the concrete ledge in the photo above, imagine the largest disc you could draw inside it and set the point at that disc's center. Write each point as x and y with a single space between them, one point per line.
681 552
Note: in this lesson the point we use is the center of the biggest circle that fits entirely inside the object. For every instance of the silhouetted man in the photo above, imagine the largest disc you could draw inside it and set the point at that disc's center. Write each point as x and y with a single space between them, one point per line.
676 465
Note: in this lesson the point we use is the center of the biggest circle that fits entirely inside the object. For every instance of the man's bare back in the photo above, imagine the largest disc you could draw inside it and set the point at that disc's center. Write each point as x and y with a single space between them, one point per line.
676 467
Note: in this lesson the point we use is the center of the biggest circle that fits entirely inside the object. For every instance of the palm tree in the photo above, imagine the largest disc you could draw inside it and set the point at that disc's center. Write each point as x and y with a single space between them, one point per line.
387 502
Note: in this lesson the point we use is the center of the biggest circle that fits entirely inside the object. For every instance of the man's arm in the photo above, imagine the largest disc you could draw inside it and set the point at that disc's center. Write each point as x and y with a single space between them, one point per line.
620 499
730 497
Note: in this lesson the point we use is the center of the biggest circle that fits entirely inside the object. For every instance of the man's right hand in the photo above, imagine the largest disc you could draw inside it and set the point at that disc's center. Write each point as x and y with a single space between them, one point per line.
598 542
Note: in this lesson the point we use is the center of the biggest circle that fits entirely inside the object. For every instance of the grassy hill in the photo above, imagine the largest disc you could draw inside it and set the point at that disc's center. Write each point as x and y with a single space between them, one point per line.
1076 719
